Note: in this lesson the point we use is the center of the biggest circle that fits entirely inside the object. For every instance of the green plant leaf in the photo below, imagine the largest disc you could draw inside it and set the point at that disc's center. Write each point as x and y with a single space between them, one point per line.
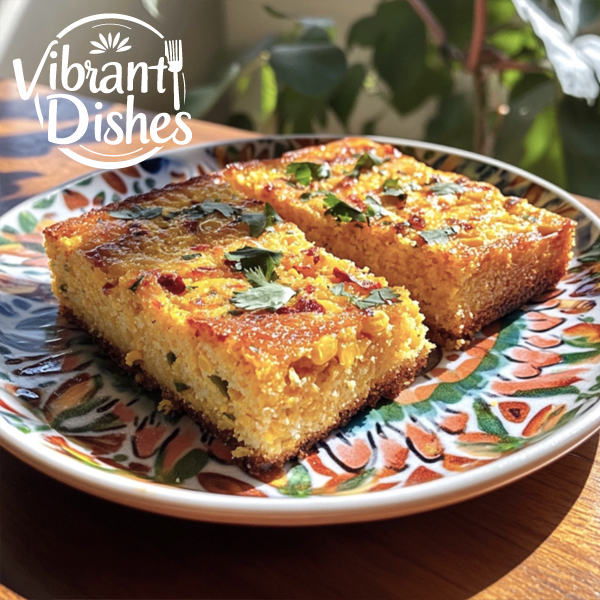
531 94
277 14
453 123
364 32
312 69
201 99
579 126
544 153
344 97
268 92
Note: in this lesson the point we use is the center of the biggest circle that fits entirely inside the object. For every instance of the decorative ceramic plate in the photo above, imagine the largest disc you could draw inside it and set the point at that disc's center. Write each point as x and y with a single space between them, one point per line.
523 393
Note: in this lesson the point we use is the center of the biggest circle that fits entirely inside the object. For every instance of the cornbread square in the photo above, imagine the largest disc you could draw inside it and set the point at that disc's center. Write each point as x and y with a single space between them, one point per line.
267 340
466 253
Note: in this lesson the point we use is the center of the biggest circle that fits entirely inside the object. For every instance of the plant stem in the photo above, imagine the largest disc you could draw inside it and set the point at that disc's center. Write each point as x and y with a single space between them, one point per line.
473 64
437 31
478 35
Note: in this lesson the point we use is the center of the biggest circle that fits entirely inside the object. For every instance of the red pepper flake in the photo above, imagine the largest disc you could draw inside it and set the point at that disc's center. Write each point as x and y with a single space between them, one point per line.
200 247
310 288
172 283
305 271
303 305
107 287
347 278
314 252
417 222
190 225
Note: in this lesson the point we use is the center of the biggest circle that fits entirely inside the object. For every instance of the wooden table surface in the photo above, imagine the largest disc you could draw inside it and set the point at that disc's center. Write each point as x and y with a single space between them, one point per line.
538 538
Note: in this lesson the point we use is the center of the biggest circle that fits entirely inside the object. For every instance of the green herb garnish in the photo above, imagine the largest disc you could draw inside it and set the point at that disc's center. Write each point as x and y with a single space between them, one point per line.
375 298
305 172
221 384
342 211
375 208
439 236
191 256
171 358
447 187
306 196
392 187
181 387
136 283
137 212
265 296
367 160
229 416
255 258
200 211
258 222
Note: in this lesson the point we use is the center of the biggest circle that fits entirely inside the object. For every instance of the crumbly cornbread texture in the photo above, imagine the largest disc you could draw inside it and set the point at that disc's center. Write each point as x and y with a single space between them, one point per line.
466 253
268 340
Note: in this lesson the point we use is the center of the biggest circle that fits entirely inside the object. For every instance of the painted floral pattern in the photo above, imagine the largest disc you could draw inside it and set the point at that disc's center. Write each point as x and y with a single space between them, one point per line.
520 379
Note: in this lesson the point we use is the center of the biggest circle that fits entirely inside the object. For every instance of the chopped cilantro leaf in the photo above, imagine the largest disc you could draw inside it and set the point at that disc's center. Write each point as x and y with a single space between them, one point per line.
181 387
342 211
258 222
306 196
136 283
256 258
392 187
267 296
439 236
447 187
367 160
375 208
200 211
305 172
137 212
375 298
191 256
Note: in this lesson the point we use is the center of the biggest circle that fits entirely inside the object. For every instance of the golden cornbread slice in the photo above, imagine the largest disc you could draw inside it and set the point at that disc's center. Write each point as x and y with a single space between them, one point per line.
466 253
266 339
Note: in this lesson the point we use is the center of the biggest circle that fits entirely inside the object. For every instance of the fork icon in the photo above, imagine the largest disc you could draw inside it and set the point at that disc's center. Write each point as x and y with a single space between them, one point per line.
174 56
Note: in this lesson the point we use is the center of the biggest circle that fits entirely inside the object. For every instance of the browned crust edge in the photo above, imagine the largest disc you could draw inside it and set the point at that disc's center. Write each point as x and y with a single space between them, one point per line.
512 297
391 385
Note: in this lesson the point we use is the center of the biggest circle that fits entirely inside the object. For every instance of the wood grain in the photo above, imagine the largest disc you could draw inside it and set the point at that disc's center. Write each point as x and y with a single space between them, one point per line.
538 538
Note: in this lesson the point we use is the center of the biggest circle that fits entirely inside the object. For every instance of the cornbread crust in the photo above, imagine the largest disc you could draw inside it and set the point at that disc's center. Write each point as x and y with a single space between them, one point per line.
389 387
501 251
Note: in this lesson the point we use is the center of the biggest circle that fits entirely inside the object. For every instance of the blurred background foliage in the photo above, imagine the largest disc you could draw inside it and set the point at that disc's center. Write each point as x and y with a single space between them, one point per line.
502 76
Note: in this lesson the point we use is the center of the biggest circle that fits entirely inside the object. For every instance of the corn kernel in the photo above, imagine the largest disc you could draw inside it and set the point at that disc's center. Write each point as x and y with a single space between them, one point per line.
330 307
132 357
348 355
363 344
377 323
325 350
203 363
